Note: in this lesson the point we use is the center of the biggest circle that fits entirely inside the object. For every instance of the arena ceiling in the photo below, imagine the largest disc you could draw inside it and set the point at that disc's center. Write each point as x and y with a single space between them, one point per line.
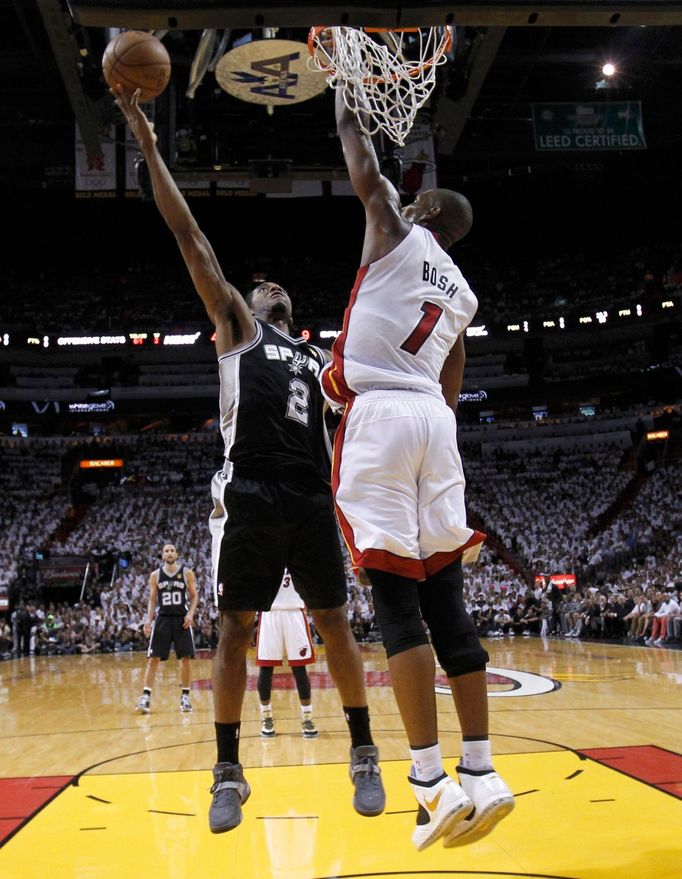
510 55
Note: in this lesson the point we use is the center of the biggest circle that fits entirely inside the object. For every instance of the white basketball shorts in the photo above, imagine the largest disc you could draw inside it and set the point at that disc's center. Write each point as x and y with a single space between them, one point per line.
284 633
399 486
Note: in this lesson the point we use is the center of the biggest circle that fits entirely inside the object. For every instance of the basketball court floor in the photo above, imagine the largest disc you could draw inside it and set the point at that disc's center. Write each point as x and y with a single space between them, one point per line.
588 736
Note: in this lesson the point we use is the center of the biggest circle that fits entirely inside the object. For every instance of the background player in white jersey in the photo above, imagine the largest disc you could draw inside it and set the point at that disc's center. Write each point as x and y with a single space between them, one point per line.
283 631
272 504
399 488
169 622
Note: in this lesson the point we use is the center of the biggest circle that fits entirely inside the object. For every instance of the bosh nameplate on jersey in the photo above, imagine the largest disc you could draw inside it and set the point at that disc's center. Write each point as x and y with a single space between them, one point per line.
430 275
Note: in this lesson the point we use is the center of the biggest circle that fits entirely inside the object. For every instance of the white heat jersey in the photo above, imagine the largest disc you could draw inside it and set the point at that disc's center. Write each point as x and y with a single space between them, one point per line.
287 597
405 313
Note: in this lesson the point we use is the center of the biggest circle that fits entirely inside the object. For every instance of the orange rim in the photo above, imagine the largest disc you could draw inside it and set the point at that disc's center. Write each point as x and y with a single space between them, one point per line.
443 47
313 34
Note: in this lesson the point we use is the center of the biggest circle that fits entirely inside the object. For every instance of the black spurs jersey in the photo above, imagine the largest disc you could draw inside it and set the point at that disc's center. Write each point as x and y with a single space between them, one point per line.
271 408
171 598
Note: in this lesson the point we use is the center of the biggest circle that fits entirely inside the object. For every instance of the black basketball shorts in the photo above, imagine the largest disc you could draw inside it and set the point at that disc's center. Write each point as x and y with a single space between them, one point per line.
259 528
168 630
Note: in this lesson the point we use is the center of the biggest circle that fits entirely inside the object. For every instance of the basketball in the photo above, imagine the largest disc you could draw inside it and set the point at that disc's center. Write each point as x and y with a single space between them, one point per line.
137 59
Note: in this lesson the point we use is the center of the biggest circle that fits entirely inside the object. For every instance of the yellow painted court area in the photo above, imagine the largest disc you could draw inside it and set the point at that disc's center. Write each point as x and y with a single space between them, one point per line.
299 824
140 808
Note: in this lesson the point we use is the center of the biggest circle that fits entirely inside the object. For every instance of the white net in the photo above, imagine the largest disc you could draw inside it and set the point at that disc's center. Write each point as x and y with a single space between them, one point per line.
386 76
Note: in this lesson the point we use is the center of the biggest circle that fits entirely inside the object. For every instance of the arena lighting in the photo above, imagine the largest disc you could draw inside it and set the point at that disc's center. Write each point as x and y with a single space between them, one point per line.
625 312
608 72
667 304
82 408
473 396
477 331
89 341
654 435
513 328
101 463
602 316
181 338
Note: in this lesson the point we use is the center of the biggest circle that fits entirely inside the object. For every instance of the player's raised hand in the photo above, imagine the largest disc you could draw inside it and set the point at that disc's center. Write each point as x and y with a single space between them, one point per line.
141 127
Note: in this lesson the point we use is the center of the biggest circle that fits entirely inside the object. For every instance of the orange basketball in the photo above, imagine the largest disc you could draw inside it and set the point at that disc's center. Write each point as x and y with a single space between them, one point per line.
137 60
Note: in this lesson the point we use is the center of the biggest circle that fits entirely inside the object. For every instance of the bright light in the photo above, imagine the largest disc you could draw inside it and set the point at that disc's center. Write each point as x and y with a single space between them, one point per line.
608 69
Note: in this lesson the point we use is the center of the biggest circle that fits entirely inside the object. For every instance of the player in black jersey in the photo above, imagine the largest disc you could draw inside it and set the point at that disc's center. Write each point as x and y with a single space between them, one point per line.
272 502
169 621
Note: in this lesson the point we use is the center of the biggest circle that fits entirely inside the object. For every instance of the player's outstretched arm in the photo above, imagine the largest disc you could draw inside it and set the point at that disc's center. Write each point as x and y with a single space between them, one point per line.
385 226
223 302
373 189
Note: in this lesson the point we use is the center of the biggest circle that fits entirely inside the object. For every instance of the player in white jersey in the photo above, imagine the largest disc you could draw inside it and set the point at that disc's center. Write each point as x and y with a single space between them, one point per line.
399 487
284 631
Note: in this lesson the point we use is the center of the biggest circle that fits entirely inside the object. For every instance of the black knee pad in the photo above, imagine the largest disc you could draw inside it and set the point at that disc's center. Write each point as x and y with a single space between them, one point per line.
396 606
453 633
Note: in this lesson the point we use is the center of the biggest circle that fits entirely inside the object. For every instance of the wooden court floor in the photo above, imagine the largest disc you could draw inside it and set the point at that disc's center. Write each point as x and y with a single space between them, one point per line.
588 736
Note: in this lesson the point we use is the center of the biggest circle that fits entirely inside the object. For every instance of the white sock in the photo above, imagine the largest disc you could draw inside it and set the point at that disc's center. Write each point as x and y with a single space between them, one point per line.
266 710
427 763
476 755
306 712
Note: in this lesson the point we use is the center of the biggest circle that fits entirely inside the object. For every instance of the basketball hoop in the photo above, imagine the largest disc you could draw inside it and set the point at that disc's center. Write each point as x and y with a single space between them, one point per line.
385 75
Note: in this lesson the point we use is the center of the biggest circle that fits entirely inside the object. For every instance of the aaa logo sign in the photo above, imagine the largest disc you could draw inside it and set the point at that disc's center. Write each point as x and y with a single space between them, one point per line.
271 72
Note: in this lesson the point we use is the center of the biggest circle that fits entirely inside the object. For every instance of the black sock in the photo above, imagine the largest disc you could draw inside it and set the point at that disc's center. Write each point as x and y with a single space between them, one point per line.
358 724
185 691
227 739
147 691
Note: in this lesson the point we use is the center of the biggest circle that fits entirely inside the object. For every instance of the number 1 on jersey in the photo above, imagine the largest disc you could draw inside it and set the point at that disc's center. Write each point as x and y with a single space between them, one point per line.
424 328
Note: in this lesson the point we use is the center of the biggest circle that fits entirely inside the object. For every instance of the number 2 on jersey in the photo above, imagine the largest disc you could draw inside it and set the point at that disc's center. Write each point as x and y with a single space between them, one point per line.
424 328
298 402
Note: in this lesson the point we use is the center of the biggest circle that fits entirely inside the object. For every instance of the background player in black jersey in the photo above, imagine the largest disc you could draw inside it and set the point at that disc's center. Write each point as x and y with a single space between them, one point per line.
169 622
272 504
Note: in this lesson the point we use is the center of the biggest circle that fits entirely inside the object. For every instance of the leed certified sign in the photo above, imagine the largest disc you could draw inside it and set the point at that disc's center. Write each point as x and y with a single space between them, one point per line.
269 72
589 127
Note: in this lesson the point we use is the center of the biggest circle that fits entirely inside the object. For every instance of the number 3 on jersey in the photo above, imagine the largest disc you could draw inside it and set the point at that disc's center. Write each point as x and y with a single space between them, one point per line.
424 328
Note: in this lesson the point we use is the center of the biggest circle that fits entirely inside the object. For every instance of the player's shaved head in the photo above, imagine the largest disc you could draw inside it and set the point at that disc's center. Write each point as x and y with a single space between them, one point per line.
456 214
443 211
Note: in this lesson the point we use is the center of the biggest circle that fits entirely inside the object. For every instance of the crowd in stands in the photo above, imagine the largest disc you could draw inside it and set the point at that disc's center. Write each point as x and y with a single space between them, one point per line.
562 282
543 509
146 293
